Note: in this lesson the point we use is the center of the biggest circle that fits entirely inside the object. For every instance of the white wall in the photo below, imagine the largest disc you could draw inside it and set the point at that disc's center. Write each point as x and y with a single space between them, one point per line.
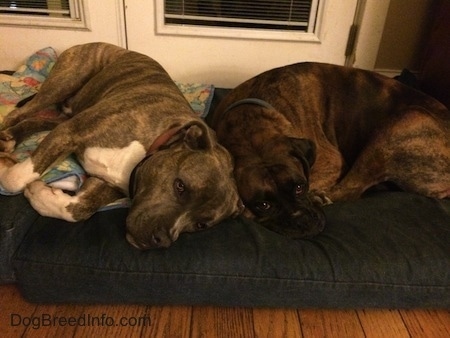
221 61
106 22
402 43
227 61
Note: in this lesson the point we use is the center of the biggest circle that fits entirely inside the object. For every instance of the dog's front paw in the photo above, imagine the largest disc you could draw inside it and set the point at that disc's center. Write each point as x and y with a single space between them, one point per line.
320 197
6 161
48 201
12 118
14 175
7 141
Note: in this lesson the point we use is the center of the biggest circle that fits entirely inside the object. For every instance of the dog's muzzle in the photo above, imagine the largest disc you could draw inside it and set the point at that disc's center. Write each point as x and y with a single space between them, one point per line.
305 221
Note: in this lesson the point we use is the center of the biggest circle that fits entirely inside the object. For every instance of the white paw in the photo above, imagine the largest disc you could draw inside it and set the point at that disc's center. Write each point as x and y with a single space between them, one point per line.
15 176
48 201
320 197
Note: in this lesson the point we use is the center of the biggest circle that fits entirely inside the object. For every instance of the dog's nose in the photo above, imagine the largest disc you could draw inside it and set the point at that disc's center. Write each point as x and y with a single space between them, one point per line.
308 224
156 241
160 239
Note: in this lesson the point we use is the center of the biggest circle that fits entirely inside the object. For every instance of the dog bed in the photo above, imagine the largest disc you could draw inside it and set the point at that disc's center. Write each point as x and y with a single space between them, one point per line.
389 249
68 174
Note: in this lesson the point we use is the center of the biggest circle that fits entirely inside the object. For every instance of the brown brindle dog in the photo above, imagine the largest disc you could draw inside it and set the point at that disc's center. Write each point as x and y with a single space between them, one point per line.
308 134
135 134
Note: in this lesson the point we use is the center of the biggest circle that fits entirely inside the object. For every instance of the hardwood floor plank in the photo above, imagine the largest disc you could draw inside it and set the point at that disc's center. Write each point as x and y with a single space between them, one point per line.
276 323
427 323
13 308
444 316
114 321
54 321
330 323
382 323
211 322
169 321
186 321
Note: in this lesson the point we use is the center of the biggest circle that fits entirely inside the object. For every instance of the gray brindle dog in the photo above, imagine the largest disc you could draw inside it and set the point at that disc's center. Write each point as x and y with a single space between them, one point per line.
307 134
135 134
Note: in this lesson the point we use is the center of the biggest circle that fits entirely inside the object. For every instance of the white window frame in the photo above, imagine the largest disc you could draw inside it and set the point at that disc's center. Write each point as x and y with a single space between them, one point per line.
313 35
77 21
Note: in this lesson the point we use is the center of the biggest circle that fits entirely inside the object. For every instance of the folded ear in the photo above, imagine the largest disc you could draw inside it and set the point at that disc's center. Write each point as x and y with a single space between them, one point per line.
305 151
198 136
305 148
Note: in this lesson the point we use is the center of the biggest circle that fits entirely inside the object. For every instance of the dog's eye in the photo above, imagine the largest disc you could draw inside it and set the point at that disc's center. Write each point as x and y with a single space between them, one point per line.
179 187
300 189
263 206
201 225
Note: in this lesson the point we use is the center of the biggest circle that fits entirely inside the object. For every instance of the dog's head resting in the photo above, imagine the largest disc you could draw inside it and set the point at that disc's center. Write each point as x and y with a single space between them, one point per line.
186 186
273 184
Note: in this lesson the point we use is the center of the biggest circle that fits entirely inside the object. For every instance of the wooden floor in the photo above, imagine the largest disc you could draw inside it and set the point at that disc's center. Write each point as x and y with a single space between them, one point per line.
19 318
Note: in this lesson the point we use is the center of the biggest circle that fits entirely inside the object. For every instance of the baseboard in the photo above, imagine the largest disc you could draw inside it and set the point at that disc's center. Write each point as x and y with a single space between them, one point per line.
393 72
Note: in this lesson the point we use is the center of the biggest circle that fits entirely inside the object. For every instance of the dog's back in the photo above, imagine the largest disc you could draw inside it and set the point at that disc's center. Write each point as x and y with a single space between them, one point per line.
354 128
334 98
134 133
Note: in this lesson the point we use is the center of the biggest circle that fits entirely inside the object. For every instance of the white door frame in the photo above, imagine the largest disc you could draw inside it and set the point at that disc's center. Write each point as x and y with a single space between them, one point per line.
227 62
370 20
18 43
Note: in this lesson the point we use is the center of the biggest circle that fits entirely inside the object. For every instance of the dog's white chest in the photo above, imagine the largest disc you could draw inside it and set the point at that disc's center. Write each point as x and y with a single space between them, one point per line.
114 165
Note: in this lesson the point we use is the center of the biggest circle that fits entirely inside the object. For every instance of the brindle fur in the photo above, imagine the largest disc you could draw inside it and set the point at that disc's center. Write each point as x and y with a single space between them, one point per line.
123 102
366 129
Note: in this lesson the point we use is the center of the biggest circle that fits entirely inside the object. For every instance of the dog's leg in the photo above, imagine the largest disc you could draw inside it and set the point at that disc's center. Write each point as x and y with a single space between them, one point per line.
420 161
53 202
53 148
15 176
74 68
14 135
360 178
325 173
413 151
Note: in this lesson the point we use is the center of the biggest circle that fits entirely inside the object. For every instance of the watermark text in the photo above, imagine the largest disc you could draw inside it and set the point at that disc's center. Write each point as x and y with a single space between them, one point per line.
103 320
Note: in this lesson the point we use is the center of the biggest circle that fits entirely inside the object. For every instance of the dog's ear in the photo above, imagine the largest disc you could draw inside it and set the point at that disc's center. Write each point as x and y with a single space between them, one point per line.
198 136
195 135
305 150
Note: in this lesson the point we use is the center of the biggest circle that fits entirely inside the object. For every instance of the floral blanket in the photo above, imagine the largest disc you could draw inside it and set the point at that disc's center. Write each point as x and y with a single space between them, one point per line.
26 81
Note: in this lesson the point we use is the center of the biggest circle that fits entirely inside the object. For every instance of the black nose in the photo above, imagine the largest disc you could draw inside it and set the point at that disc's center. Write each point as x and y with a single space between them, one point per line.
157 240
160 239
310 223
